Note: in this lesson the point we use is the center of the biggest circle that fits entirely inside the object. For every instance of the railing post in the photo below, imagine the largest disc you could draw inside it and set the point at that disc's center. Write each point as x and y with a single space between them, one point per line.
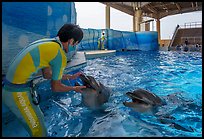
175 31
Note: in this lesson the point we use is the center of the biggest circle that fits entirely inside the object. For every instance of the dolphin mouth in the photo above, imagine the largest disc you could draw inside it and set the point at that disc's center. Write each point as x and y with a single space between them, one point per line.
90 82
86 81
135 99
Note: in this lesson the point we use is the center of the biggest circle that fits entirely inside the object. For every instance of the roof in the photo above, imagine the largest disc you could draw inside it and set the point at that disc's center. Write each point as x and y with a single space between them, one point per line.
156 9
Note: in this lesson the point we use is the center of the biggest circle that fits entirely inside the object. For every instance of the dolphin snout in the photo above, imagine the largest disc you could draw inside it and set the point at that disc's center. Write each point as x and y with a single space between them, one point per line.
129 94
124 103
84 78
133 96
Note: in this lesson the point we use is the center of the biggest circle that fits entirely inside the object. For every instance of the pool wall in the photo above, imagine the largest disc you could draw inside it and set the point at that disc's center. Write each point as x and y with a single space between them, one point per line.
120 40
90 39
25 22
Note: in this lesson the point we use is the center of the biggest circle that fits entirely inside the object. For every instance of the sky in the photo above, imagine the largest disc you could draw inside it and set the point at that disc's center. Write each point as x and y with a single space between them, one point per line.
92 15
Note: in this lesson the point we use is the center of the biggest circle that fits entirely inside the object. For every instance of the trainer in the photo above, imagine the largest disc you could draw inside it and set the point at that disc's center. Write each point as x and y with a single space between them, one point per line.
49 56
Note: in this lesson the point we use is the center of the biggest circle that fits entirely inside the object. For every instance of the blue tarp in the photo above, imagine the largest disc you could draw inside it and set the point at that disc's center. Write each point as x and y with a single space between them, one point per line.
115 40
120 40
130 40
91 39
25 22
97 34
84 44
147 40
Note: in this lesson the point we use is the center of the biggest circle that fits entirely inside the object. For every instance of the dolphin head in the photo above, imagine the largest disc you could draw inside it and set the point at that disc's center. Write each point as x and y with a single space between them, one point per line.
143 101
95 94
89 82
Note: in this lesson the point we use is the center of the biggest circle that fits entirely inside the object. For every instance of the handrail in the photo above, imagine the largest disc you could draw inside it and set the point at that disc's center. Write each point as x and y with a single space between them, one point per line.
174 35
192 25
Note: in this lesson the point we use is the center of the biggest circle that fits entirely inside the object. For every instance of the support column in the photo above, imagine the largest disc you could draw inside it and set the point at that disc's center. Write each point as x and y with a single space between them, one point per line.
137 18
107 17
147 26
158 30
134 23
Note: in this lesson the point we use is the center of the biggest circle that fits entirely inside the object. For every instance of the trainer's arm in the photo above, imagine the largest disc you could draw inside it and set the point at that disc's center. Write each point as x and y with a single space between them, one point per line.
47 74
57 86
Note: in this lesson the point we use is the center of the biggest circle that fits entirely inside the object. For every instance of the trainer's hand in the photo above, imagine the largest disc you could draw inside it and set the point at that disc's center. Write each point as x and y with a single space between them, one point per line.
76 75
78 88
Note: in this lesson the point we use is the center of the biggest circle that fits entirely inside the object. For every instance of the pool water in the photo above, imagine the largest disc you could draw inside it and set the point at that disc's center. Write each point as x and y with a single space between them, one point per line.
161 72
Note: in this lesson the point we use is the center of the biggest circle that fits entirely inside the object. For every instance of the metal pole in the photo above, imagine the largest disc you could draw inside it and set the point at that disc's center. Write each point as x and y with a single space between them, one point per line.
107 17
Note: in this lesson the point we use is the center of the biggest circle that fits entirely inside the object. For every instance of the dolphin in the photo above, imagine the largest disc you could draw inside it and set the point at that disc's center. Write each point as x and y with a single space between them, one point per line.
144 101
95 94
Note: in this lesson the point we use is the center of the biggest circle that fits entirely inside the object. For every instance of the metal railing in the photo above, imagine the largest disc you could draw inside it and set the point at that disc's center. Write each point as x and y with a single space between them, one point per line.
192 25
174 35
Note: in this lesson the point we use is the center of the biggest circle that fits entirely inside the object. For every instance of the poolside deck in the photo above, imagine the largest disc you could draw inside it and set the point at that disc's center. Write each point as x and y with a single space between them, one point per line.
99 53
77 61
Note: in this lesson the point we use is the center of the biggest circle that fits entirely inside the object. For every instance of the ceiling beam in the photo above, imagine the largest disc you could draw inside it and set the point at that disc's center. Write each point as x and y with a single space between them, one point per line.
196 5
145 3
118 7
192 6
178 6
127 3
153 10
149 8
165 7
152 15
147 21
183 10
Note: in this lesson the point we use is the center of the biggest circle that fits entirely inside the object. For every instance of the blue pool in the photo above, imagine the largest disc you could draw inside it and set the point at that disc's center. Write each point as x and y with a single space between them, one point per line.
160 72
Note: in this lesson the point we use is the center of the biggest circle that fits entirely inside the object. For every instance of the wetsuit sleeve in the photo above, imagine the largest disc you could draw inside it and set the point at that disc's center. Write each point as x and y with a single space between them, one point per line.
57 66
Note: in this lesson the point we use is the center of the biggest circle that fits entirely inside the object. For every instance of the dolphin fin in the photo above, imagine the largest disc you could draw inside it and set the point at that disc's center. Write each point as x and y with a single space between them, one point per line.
181 127
171 121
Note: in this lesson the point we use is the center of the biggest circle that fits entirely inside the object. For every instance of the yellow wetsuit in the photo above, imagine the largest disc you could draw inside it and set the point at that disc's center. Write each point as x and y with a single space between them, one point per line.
101 42
37 55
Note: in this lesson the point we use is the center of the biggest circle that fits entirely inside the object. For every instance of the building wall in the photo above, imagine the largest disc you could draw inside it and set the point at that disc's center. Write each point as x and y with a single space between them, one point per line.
165 42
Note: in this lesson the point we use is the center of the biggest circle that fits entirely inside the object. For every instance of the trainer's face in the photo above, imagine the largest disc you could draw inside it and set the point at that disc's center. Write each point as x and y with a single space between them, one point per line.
65 46
69 43
73 43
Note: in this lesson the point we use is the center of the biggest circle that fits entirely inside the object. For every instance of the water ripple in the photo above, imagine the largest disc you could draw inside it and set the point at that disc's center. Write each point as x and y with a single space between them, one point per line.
163 73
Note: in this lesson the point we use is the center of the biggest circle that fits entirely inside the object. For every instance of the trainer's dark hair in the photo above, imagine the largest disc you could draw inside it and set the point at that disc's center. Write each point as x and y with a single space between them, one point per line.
68 31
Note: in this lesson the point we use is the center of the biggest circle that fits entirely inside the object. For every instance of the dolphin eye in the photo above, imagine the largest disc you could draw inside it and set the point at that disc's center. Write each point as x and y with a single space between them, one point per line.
100 92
